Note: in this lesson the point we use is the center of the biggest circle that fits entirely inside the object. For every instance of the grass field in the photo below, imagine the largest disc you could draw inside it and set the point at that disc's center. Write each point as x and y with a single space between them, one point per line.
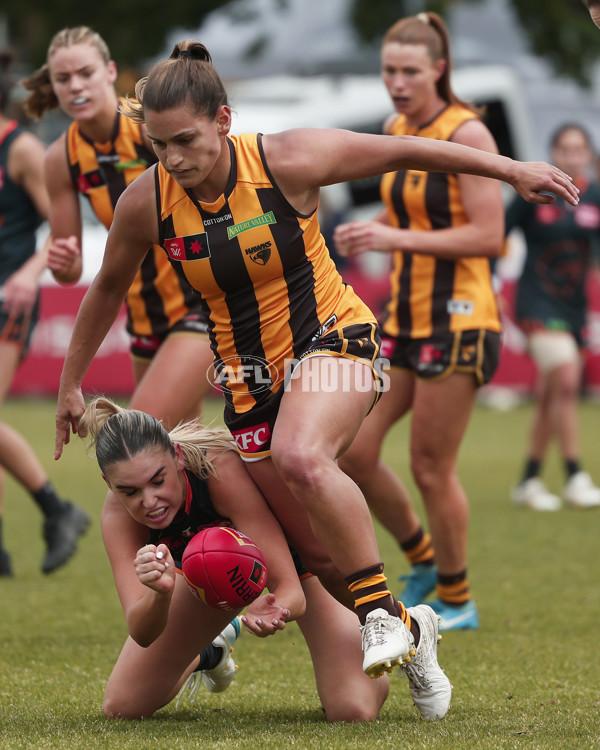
528 678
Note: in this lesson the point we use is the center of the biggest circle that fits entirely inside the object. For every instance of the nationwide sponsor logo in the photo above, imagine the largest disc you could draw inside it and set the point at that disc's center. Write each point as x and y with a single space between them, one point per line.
188 247
244 226
254 439
260 254
459 307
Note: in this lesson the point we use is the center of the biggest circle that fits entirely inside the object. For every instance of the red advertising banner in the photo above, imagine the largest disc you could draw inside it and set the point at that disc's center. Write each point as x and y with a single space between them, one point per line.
110 372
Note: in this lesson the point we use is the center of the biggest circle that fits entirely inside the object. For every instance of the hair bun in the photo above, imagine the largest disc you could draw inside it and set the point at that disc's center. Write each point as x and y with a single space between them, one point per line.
191 51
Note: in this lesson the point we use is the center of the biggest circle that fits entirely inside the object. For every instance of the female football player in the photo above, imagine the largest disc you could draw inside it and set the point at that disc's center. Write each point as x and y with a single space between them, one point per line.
23 206
441 330
96 158
239 214
551 308
164 487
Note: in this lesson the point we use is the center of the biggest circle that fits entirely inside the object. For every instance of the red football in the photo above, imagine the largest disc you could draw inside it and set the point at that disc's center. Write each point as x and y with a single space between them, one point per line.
224 568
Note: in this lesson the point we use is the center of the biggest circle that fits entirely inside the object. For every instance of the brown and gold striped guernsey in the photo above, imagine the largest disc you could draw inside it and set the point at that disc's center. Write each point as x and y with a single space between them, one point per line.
262 268
160 295
429 294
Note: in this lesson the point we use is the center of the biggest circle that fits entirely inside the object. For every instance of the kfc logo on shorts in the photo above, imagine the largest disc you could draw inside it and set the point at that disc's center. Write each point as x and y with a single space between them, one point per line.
257 438
429 354
388 347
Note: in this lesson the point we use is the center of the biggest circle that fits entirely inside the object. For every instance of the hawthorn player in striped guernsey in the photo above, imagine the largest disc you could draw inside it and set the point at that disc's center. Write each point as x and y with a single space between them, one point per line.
100 154
295 347
441 329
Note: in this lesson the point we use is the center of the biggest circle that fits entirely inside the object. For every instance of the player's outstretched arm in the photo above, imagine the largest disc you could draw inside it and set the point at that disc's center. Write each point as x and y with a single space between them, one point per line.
133 232
301 160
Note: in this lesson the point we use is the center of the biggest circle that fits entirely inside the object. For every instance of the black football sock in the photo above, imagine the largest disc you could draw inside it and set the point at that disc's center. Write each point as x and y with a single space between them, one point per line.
48 501
209 658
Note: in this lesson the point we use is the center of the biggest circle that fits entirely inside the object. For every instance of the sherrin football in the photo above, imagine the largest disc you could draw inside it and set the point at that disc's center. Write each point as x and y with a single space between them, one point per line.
224 568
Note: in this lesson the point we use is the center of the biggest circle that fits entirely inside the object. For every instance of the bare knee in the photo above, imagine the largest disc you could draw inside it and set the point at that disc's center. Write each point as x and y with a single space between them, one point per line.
115 706
567 390
364 706
428 474
300 465
350 713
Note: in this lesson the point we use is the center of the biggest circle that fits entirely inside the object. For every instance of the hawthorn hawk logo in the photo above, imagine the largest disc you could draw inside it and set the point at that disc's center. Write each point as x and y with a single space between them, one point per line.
260 254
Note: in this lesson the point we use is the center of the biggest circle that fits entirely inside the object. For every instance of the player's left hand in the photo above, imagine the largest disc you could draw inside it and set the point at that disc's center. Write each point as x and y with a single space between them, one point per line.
264 616
534 179
358 237
70 407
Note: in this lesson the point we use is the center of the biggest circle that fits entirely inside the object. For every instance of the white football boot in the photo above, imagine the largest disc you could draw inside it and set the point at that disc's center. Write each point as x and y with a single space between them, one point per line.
430 689
532 493
581 492
386 643
220 677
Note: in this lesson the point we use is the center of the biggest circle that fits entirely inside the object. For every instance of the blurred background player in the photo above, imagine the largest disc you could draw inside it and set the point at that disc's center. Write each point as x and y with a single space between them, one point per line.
99 155
23 206
551 308
441 331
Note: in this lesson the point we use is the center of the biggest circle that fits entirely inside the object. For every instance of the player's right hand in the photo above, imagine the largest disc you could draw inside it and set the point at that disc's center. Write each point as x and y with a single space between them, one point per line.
155 568
64 259
69 410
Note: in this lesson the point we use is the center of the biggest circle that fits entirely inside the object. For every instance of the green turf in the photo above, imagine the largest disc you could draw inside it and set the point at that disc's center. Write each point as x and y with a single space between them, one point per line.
528 678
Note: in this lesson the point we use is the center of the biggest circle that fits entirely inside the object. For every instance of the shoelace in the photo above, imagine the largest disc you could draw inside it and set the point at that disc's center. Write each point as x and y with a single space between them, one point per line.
374 632
416 676
191 685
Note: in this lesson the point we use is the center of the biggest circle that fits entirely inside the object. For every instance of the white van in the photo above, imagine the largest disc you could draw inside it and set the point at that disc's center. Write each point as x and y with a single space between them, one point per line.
361 103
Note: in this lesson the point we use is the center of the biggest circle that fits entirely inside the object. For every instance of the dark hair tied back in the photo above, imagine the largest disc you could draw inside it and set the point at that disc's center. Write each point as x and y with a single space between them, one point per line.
193 51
